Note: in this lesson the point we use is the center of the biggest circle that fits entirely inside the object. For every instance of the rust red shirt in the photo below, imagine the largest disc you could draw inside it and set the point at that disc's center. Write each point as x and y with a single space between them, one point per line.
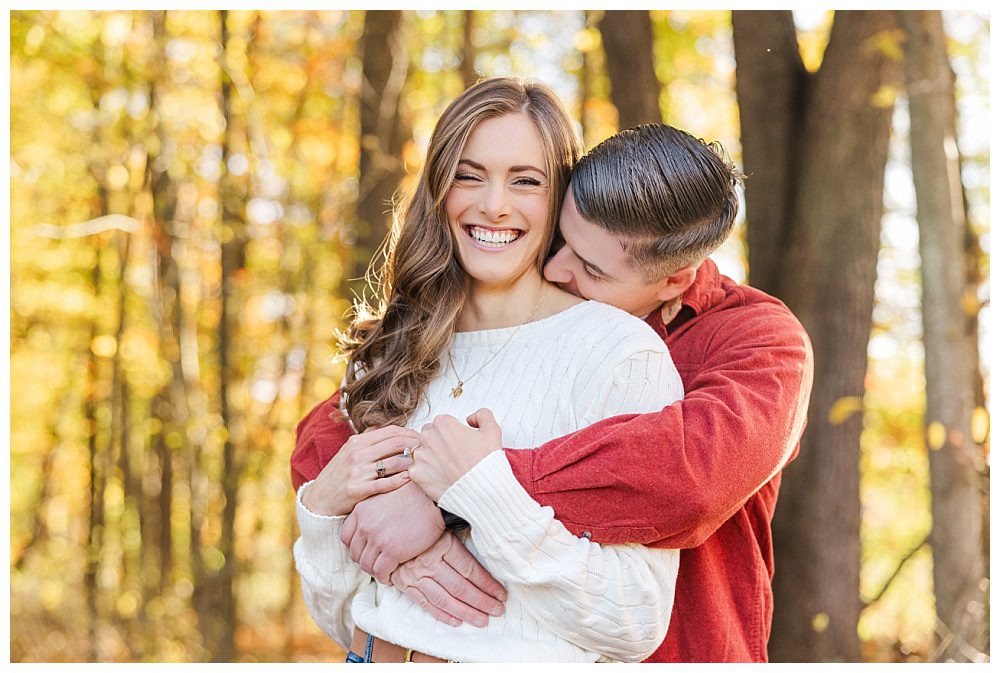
701 475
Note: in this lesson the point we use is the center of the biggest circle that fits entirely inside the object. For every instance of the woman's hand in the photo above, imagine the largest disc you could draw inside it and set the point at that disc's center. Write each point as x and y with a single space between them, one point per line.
448 449
353 473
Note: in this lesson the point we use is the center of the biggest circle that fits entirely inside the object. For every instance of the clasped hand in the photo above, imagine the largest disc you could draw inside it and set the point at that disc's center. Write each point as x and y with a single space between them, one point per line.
398 536
448 449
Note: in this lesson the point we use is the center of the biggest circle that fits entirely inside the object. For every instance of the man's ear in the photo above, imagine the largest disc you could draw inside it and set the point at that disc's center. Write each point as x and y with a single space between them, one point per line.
677 283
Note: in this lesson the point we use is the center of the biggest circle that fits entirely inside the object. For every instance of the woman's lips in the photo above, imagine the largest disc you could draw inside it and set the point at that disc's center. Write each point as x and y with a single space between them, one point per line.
492 239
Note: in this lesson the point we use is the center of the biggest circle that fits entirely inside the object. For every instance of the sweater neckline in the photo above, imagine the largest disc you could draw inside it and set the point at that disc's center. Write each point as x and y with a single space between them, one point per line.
488 337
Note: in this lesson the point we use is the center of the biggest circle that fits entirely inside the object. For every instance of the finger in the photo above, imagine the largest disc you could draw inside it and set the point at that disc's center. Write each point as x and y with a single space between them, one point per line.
484 420
368 556
347 530
445 420
388 432
417 597
394 465
390 446
466 565
383 567
357 546
385 484
443 600
463 590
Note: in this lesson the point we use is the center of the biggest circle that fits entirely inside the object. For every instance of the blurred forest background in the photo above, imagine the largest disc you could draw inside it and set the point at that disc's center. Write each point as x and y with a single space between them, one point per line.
194 195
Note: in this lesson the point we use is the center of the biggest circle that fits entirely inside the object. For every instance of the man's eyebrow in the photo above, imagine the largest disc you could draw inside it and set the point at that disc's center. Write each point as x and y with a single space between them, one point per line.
513 169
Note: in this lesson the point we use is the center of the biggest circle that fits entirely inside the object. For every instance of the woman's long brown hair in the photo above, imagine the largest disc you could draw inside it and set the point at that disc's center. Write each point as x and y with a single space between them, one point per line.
394 348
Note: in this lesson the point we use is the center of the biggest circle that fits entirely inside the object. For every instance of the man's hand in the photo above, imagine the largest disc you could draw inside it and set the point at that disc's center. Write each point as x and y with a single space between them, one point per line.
448 449
450 584
385 530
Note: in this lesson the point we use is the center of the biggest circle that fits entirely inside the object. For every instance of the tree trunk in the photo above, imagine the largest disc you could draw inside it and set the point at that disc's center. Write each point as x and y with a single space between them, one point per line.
168 407
468 65
819 144
217 596
385 64
96 460
954 459
628 47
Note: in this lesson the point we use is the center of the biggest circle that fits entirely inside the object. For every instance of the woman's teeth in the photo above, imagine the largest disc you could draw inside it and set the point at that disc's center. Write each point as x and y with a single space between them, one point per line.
493 239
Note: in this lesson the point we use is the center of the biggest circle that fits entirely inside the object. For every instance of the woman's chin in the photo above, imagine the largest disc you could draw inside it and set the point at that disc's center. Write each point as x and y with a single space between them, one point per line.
495 275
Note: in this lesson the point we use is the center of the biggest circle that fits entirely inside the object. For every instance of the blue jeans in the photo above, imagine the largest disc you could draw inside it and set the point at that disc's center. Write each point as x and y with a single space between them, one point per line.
353 658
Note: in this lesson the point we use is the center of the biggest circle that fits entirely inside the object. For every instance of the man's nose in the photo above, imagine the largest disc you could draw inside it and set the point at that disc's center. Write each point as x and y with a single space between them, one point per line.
556 270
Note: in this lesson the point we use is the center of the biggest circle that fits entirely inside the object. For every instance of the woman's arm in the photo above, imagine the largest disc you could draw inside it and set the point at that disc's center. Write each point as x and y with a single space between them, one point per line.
330 580
613 600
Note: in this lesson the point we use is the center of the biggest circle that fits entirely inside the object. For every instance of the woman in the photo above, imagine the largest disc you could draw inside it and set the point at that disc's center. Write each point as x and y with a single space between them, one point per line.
468 321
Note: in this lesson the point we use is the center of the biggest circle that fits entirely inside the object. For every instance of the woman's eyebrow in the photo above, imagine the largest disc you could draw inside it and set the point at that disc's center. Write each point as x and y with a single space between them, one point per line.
520 168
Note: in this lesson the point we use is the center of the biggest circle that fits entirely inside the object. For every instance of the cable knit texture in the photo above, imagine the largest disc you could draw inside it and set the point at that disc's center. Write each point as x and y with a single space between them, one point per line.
570 600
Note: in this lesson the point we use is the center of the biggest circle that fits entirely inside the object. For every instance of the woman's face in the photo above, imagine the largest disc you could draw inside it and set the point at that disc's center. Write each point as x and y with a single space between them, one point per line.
498 205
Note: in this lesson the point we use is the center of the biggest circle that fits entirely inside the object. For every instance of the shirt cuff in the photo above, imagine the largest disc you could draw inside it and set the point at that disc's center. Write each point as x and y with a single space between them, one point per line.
493 501
320 535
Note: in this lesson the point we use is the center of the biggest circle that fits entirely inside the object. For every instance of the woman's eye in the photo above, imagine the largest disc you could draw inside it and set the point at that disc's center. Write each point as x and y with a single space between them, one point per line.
465 177
527 182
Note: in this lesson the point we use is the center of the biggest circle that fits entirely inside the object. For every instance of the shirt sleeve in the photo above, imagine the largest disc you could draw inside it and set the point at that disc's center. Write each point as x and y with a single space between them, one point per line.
673 477
330 579
612 600
318 438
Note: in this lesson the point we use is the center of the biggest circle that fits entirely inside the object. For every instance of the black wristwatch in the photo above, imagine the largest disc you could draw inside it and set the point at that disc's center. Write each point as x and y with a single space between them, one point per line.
453 522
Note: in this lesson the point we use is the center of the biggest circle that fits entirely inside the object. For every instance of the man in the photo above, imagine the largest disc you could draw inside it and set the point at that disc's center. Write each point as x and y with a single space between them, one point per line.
644 210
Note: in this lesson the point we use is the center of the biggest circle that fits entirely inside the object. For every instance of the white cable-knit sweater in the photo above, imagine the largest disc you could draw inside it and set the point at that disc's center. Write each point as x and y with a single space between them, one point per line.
569 599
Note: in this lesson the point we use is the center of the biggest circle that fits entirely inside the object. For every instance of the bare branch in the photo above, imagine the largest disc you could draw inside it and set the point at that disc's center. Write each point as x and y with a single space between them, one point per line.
98 225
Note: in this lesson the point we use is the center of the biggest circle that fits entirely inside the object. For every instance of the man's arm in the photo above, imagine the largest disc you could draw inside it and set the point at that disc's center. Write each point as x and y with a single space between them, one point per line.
672 478
318 437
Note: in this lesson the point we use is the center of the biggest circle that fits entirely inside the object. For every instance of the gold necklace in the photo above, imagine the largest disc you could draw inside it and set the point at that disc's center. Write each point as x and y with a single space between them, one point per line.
456 392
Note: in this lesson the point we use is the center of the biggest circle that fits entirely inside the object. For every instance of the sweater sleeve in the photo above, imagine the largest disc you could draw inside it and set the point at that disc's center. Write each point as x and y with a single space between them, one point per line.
672 477
612 600
330 580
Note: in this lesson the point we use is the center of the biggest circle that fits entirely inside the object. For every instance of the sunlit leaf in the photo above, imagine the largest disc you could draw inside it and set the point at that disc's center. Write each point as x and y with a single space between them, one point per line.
843 408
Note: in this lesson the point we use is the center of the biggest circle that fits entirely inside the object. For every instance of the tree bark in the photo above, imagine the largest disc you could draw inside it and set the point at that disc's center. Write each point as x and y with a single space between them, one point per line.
216 594
628 46
820 144
385 65
948 352
96 461
169 406
468 65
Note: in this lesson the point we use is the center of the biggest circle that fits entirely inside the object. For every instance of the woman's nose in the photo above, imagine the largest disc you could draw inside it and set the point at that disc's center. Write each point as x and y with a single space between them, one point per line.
496 202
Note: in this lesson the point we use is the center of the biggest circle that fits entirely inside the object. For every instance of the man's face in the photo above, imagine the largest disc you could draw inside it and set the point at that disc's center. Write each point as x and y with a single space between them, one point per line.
593 265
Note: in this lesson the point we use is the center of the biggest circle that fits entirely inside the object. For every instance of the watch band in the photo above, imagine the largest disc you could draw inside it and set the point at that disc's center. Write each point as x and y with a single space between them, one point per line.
453 522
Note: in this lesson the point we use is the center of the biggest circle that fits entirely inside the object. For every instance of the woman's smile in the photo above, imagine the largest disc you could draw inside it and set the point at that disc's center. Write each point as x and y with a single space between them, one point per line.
490 239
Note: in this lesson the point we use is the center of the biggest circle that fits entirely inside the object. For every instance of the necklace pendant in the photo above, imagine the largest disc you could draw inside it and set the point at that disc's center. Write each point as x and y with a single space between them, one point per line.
456 392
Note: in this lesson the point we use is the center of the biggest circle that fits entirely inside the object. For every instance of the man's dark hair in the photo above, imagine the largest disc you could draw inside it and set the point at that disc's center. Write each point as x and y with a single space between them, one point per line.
671 196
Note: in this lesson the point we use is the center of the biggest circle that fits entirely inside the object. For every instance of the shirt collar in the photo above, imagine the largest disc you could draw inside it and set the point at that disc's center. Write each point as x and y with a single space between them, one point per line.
705 292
